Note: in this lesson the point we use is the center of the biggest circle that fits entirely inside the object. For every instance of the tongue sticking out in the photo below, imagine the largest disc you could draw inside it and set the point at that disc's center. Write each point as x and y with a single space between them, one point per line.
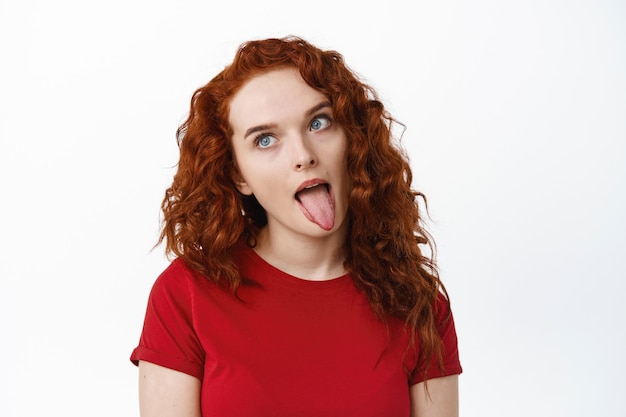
317 206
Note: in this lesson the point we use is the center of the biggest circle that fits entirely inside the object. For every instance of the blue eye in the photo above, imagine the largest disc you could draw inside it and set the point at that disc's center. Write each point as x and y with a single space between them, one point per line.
264 141
320 122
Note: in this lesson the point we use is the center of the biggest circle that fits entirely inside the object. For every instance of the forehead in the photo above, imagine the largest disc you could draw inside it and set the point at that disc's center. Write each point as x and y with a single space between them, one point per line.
272 97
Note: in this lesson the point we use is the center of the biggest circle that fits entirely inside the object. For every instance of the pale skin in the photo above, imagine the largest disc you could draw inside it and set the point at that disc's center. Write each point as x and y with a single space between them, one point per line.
164 392
283 137
167 393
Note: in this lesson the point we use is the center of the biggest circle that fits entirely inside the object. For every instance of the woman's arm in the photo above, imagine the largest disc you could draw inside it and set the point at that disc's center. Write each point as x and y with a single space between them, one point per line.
440 400
164 392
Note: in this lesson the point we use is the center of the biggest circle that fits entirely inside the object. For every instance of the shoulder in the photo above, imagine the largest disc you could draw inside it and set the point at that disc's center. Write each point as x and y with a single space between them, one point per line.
176 275
178 282
179 277
443 311
445 323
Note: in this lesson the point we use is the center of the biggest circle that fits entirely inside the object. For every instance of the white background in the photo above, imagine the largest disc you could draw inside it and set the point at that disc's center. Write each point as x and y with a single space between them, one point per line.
516 129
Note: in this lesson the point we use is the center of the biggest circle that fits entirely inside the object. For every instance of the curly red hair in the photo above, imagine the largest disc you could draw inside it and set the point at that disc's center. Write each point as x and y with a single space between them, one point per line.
205 215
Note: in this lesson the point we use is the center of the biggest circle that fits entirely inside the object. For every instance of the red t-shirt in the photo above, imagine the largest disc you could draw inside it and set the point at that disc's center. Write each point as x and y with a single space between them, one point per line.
286 347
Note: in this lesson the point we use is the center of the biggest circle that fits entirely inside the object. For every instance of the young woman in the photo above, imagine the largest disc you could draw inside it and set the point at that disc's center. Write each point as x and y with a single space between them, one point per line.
298 287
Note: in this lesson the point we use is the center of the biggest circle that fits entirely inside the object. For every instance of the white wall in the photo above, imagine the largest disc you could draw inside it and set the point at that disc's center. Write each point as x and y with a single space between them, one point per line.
516 131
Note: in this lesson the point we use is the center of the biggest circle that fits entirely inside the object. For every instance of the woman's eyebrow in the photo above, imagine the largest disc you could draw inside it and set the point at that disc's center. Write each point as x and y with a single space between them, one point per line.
258 129
309 112
318 107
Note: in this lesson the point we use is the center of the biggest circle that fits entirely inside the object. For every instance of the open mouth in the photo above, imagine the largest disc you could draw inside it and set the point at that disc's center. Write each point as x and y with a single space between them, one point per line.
312 189
317 205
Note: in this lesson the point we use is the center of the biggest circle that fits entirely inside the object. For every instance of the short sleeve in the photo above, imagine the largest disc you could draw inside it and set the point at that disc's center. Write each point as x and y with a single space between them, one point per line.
450 354
168 337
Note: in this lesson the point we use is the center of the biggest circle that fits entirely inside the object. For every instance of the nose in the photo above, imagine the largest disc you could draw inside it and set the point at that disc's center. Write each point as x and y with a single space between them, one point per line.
305 163
304 156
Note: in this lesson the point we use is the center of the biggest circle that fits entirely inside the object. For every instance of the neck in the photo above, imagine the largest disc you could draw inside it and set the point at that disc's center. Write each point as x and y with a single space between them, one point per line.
314 259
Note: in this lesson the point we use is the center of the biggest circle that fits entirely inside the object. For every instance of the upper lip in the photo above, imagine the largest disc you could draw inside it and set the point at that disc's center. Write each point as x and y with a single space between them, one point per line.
311 183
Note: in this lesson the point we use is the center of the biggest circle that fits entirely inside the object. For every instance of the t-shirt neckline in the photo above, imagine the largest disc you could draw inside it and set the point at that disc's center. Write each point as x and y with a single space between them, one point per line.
281 277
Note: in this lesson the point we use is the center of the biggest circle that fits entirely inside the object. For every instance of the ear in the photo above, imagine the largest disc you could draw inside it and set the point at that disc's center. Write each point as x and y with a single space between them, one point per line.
243 188
241 184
